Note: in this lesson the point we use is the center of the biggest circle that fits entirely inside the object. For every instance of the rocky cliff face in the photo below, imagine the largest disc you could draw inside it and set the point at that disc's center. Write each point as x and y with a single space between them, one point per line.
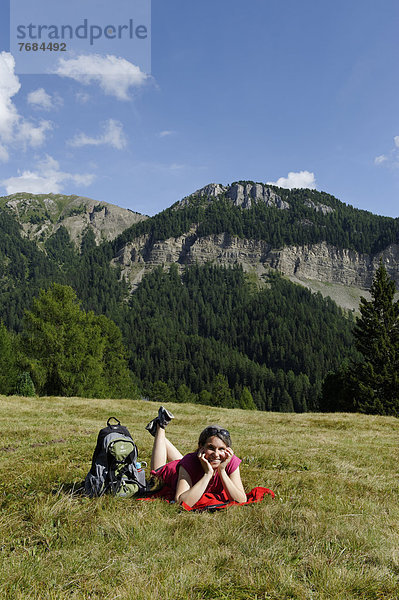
243 195
246 195
41 215
319 266
343 274
106 220
319 262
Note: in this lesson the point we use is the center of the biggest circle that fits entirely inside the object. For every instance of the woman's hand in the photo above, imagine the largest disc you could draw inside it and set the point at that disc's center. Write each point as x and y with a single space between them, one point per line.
228 455
205 463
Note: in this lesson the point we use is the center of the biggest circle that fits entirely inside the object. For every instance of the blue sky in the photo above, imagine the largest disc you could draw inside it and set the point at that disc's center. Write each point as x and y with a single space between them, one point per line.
300 93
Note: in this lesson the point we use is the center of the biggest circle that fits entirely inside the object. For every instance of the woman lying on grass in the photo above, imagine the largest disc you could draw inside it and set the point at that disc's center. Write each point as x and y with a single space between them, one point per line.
212 469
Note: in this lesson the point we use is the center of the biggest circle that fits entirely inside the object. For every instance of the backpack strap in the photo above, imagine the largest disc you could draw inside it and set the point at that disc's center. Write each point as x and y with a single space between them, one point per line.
110 424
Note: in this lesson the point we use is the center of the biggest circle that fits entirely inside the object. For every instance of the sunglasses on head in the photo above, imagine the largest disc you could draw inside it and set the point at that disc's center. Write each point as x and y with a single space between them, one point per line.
215 430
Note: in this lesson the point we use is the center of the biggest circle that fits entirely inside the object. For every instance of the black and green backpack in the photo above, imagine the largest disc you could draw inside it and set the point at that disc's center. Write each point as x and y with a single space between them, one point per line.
114 467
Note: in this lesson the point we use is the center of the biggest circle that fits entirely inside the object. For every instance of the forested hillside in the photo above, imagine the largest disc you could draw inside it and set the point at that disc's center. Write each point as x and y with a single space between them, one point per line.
279 341
24 269
206 333
305 221
209 336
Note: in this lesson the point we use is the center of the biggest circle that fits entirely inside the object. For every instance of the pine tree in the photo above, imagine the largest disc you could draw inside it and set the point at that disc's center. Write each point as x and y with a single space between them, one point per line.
184 394
161 392
221 393
205 397
8 361
73 353
246 400
25 385
375 379
64 357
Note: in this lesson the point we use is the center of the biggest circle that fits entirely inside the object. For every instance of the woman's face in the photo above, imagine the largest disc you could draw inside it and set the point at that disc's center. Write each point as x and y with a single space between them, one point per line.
214 450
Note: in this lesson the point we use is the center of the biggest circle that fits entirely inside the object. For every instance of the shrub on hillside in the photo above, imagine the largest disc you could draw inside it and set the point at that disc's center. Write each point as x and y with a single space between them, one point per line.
25 385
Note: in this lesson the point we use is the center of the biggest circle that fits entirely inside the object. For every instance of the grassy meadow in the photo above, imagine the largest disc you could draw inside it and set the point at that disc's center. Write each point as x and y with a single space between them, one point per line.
332 532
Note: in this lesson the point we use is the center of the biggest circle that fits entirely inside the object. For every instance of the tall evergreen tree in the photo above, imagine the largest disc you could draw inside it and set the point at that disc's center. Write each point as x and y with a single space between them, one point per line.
221 393
246 400
63 356
71 352
8 361
375 379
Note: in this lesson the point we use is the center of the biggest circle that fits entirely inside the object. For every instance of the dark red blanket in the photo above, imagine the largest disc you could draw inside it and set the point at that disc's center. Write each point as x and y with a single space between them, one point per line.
212 502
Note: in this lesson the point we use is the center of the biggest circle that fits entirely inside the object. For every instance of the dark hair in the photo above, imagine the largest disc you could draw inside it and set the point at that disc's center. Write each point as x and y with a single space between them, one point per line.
214 430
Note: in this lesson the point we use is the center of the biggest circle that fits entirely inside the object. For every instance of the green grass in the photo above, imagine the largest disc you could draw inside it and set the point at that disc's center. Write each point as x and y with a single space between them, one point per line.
331 533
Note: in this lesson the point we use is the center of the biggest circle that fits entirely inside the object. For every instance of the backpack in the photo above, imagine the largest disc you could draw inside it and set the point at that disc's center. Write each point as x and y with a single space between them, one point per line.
114 468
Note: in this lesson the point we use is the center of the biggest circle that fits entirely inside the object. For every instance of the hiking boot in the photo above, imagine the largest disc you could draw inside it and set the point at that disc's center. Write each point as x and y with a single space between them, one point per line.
152 426
164 417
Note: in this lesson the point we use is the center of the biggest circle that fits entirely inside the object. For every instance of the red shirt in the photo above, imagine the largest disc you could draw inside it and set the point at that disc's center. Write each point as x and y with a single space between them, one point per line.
191 463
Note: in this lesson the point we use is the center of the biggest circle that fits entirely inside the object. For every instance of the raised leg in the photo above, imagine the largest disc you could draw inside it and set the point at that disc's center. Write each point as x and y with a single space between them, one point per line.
163 450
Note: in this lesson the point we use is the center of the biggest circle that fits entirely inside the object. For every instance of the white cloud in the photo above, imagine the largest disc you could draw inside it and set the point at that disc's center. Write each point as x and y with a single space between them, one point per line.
112 135
14 129
391 159
46 178
301 179
31 135
9 86
166 133
32 183
40 99
114 75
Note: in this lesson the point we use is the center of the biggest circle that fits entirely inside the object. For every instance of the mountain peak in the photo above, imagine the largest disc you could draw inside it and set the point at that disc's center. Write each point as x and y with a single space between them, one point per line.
241 193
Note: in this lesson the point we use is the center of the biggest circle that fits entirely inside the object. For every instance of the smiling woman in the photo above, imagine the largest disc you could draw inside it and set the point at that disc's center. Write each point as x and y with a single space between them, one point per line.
212 469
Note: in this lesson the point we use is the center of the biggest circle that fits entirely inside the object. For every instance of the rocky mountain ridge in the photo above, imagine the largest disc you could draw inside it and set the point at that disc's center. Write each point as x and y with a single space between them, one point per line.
246 194
309 264
41 215
342 273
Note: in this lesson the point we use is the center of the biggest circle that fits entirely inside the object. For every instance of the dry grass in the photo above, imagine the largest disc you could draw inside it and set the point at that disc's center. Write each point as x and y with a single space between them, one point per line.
331 533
